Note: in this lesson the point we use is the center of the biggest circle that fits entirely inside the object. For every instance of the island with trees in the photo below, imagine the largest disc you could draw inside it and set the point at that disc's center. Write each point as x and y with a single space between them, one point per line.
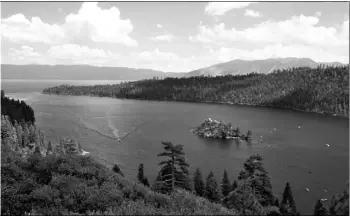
219 130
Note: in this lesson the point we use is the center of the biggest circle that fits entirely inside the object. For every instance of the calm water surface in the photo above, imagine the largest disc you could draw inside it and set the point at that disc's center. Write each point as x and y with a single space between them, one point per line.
289 152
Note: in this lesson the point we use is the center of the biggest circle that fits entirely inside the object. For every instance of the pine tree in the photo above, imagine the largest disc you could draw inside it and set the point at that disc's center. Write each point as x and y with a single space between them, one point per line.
145 182
319 209
49 149
141 176
174 172
116 169
211 188
277 203
32 134
25 137
288 197
225 185
37 150
198 182
234 185
255 175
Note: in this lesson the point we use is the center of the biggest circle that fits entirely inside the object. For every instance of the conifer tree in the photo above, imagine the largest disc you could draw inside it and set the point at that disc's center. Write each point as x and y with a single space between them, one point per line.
225 185
141 176
256 176
32 134
277 203
25 137
49 148
319 209
116 169
198 182
37 150
211 188
234 185
288 197
174 171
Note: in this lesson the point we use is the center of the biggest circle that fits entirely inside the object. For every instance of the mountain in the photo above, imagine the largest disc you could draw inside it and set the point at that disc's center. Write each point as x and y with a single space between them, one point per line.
260 66
79 72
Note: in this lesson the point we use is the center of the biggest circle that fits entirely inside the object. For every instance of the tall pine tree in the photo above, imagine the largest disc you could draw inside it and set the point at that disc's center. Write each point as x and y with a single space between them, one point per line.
234 185
288 197
225 185
287 206
211 189
174 171
256 176
198 183
141 176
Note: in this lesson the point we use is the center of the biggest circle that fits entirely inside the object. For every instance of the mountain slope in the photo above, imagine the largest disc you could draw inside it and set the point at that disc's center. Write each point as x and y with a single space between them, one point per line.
79 72
265 66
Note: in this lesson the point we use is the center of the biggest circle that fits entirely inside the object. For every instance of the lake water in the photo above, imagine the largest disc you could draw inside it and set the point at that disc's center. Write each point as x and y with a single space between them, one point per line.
289 152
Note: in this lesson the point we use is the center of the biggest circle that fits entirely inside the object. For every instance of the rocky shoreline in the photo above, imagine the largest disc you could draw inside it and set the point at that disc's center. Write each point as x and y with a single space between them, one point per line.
218 130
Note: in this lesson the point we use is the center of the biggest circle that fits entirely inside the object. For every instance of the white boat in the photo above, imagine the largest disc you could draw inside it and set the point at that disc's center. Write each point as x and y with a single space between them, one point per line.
307 189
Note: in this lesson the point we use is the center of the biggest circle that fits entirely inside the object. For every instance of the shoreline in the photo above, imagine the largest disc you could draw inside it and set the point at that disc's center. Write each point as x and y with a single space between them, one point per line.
213 102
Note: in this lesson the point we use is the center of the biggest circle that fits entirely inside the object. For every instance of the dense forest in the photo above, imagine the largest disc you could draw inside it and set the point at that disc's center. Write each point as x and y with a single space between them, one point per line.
44 178
324 89
16 110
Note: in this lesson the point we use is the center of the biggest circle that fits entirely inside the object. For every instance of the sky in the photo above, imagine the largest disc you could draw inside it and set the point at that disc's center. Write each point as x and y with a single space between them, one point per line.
171 36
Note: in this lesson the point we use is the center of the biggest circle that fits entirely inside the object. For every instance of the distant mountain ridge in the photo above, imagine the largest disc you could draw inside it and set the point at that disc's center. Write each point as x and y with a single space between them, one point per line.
264 66
89 72
79 72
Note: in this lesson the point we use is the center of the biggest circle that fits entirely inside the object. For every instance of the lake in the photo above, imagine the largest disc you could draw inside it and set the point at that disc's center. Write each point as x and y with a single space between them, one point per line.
289 152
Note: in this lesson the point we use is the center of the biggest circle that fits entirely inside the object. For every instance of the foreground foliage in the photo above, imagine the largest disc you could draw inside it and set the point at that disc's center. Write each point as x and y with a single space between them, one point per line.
64 184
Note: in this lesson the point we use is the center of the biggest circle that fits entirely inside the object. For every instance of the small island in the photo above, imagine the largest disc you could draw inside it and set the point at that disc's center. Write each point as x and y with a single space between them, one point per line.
219 130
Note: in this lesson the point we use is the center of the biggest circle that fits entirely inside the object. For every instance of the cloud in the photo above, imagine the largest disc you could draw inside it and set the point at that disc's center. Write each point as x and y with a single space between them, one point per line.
100 25
25 55
297 30
105 25
24 51
251 13
77 54
17 28
220 8
166 37
159 25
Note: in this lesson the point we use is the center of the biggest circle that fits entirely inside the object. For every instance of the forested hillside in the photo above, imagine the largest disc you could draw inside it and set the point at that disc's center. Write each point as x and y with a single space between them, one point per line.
16 110
324 89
